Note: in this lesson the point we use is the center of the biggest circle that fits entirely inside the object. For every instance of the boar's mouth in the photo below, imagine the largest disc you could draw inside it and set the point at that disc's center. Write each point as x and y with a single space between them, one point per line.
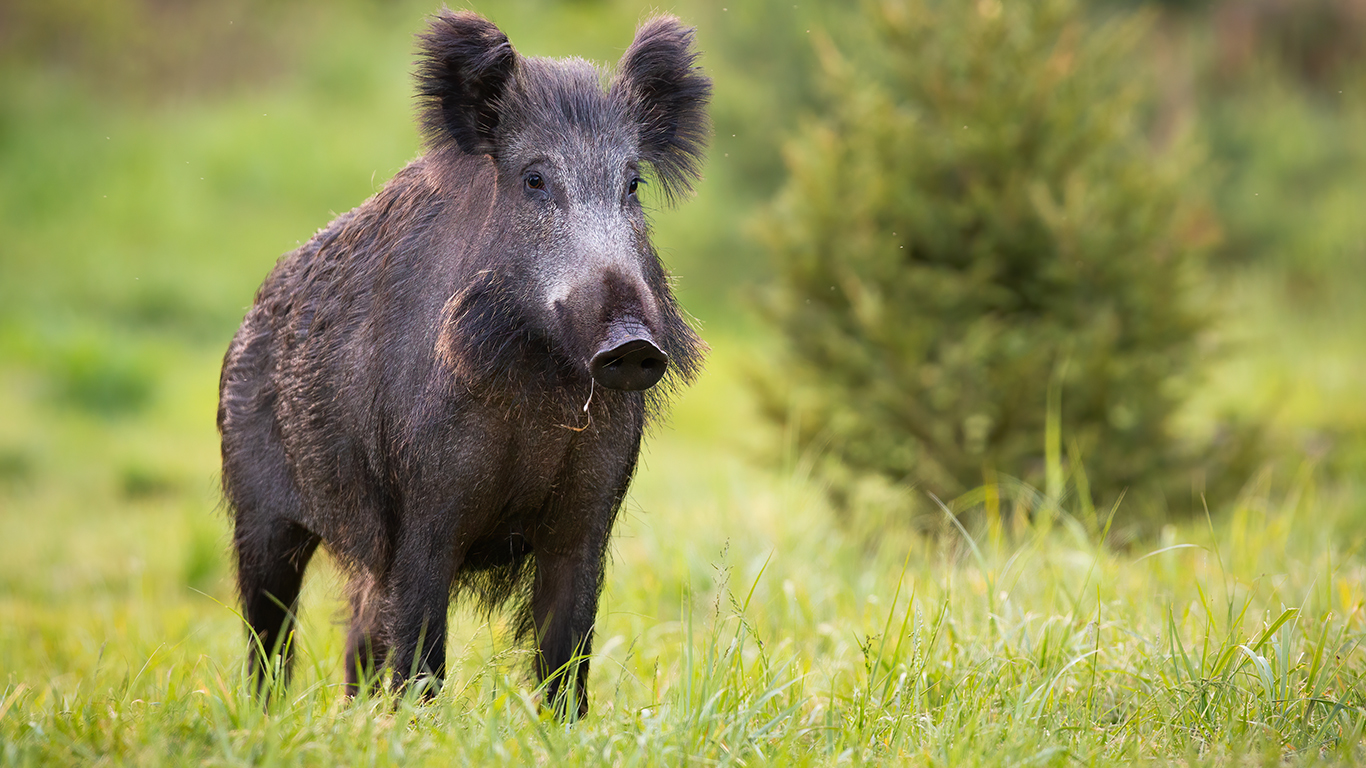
629 359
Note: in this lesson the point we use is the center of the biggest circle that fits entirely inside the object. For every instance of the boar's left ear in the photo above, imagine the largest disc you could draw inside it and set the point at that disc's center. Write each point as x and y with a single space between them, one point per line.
667 93
464 65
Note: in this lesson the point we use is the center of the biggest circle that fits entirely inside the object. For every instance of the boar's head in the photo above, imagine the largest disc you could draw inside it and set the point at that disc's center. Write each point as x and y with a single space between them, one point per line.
571 149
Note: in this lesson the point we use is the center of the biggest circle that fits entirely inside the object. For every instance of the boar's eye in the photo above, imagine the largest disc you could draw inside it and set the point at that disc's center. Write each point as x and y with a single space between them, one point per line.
535 186
633 186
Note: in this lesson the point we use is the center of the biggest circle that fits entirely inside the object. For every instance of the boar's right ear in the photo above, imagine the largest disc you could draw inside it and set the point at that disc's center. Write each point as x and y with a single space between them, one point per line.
464 65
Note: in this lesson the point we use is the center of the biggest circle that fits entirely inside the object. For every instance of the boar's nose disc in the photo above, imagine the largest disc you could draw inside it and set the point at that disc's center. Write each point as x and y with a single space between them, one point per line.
633 365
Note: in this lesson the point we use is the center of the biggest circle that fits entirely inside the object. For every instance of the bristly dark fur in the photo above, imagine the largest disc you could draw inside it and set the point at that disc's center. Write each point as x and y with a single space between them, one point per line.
660 77
686 349
420 388
464 64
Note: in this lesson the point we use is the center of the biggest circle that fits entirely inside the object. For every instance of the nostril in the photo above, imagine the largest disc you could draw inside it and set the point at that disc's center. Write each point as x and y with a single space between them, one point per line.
631 365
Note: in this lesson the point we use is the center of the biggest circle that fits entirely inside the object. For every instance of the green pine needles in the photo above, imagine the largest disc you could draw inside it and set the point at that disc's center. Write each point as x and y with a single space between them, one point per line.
978 235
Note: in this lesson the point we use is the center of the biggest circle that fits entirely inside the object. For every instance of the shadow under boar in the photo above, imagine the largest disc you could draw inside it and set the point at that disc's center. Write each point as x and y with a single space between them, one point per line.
447 386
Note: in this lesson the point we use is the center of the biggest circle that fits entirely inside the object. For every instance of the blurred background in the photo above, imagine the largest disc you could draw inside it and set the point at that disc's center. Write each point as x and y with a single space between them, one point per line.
1201 164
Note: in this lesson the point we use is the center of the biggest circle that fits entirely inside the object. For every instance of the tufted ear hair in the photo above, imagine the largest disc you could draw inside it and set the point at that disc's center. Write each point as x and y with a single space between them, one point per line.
667 93
464 65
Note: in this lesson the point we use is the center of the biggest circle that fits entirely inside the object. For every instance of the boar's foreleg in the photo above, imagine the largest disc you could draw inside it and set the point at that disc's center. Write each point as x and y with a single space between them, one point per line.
399 619
564 606
571 552
420 593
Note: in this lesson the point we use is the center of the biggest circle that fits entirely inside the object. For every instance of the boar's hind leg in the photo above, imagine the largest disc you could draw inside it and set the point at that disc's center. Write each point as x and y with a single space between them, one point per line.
271 557
365 649
272 548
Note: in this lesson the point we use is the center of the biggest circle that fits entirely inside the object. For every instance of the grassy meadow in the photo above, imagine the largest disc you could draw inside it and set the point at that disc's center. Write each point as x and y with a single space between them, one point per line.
743 621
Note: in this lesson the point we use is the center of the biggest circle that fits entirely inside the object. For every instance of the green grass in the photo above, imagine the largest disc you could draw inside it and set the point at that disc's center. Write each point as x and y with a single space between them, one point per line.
740 625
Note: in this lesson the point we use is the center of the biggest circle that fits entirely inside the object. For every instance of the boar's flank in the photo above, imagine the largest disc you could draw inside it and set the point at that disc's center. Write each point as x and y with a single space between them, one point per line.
447 386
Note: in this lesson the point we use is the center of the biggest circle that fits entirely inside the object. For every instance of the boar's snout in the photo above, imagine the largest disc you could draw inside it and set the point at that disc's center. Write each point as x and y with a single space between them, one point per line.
629 359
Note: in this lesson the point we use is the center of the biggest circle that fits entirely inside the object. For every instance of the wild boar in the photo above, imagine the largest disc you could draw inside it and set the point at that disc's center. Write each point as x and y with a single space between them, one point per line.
447 387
